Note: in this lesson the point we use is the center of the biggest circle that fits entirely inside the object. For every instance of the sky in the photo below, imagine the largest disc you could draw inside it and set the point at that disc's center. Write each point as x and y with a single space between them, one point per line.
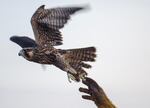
119 29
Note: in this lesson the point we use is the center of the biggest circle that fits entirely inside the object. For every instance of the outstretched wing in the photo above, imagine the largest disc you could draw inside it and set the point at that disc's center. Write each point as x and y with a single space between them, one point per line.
24 41
47 22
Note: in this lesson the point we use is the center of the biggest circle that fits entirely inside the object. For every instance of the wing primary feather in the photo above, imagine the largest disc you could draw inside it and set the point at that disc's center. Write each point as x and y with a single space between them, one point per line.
46 23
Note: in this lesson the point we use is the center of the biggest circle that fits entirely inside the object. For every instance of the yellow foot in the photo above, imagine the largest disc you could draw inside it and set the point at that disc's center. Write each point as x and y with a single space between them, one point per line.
82 76
70 77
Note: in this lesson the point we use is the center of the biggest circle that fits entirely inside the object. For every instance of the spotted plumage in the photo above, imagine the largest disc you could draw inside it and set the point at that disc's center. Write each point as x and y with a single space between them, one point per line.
46 24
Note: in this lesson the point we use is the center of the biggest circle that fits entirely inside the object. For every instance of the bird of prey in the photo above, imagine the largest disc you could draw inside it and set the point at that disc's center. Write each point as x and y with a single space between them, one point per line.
46 24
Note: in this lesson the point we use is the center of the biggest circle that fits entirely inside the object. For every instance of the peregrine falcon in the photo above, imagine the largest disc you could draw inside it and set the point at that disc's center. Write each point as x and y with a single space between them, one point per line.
46 24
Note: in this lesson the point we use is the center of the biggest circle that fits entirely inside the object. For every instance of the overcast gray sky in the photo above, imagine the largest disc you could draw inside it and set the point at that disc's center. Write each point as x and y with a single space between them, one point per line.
120 29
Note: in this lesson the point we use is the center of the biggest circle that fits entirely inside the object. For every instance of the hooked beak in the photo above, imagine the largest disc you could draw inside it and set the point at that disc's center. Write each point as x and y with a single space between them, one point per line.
21 53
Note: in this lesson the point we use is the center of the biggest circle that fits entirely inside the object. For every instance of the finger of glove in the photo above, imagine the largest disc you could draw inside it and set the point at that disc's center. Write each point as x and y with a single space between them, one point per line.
87 97
84 90
90 83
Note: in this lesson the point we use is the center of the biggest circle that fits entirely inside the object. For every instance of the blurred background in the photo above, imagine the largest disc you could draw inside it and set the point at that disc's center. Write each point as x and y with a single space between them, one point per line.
120 30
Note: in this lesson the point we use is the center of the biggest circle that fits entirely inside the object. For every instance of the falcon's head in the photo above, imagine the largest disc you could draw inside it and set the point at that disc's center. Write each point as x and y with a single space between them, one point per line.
27 53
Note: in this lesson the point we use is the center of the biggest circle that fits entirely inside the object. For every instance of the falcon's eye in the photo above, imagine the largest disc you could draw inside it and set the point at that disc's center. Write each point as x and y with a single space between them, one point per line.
25 53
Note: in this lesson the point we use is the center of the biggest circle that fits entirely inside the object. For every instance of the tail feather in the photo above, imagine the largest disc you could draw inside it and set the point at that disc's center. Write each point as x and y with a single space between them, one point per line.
85 65
77 59
83 54
80 64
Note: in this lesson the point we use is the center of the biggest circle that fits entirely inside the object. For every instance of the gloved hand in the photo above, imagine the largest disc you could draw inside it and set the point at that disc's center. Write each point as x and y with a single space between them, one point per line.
96 94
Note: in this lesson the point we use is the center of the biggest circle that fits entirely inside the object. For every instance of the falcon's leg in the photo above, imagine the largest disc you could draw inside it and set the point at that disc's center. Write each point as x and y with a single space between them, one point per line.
70 77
